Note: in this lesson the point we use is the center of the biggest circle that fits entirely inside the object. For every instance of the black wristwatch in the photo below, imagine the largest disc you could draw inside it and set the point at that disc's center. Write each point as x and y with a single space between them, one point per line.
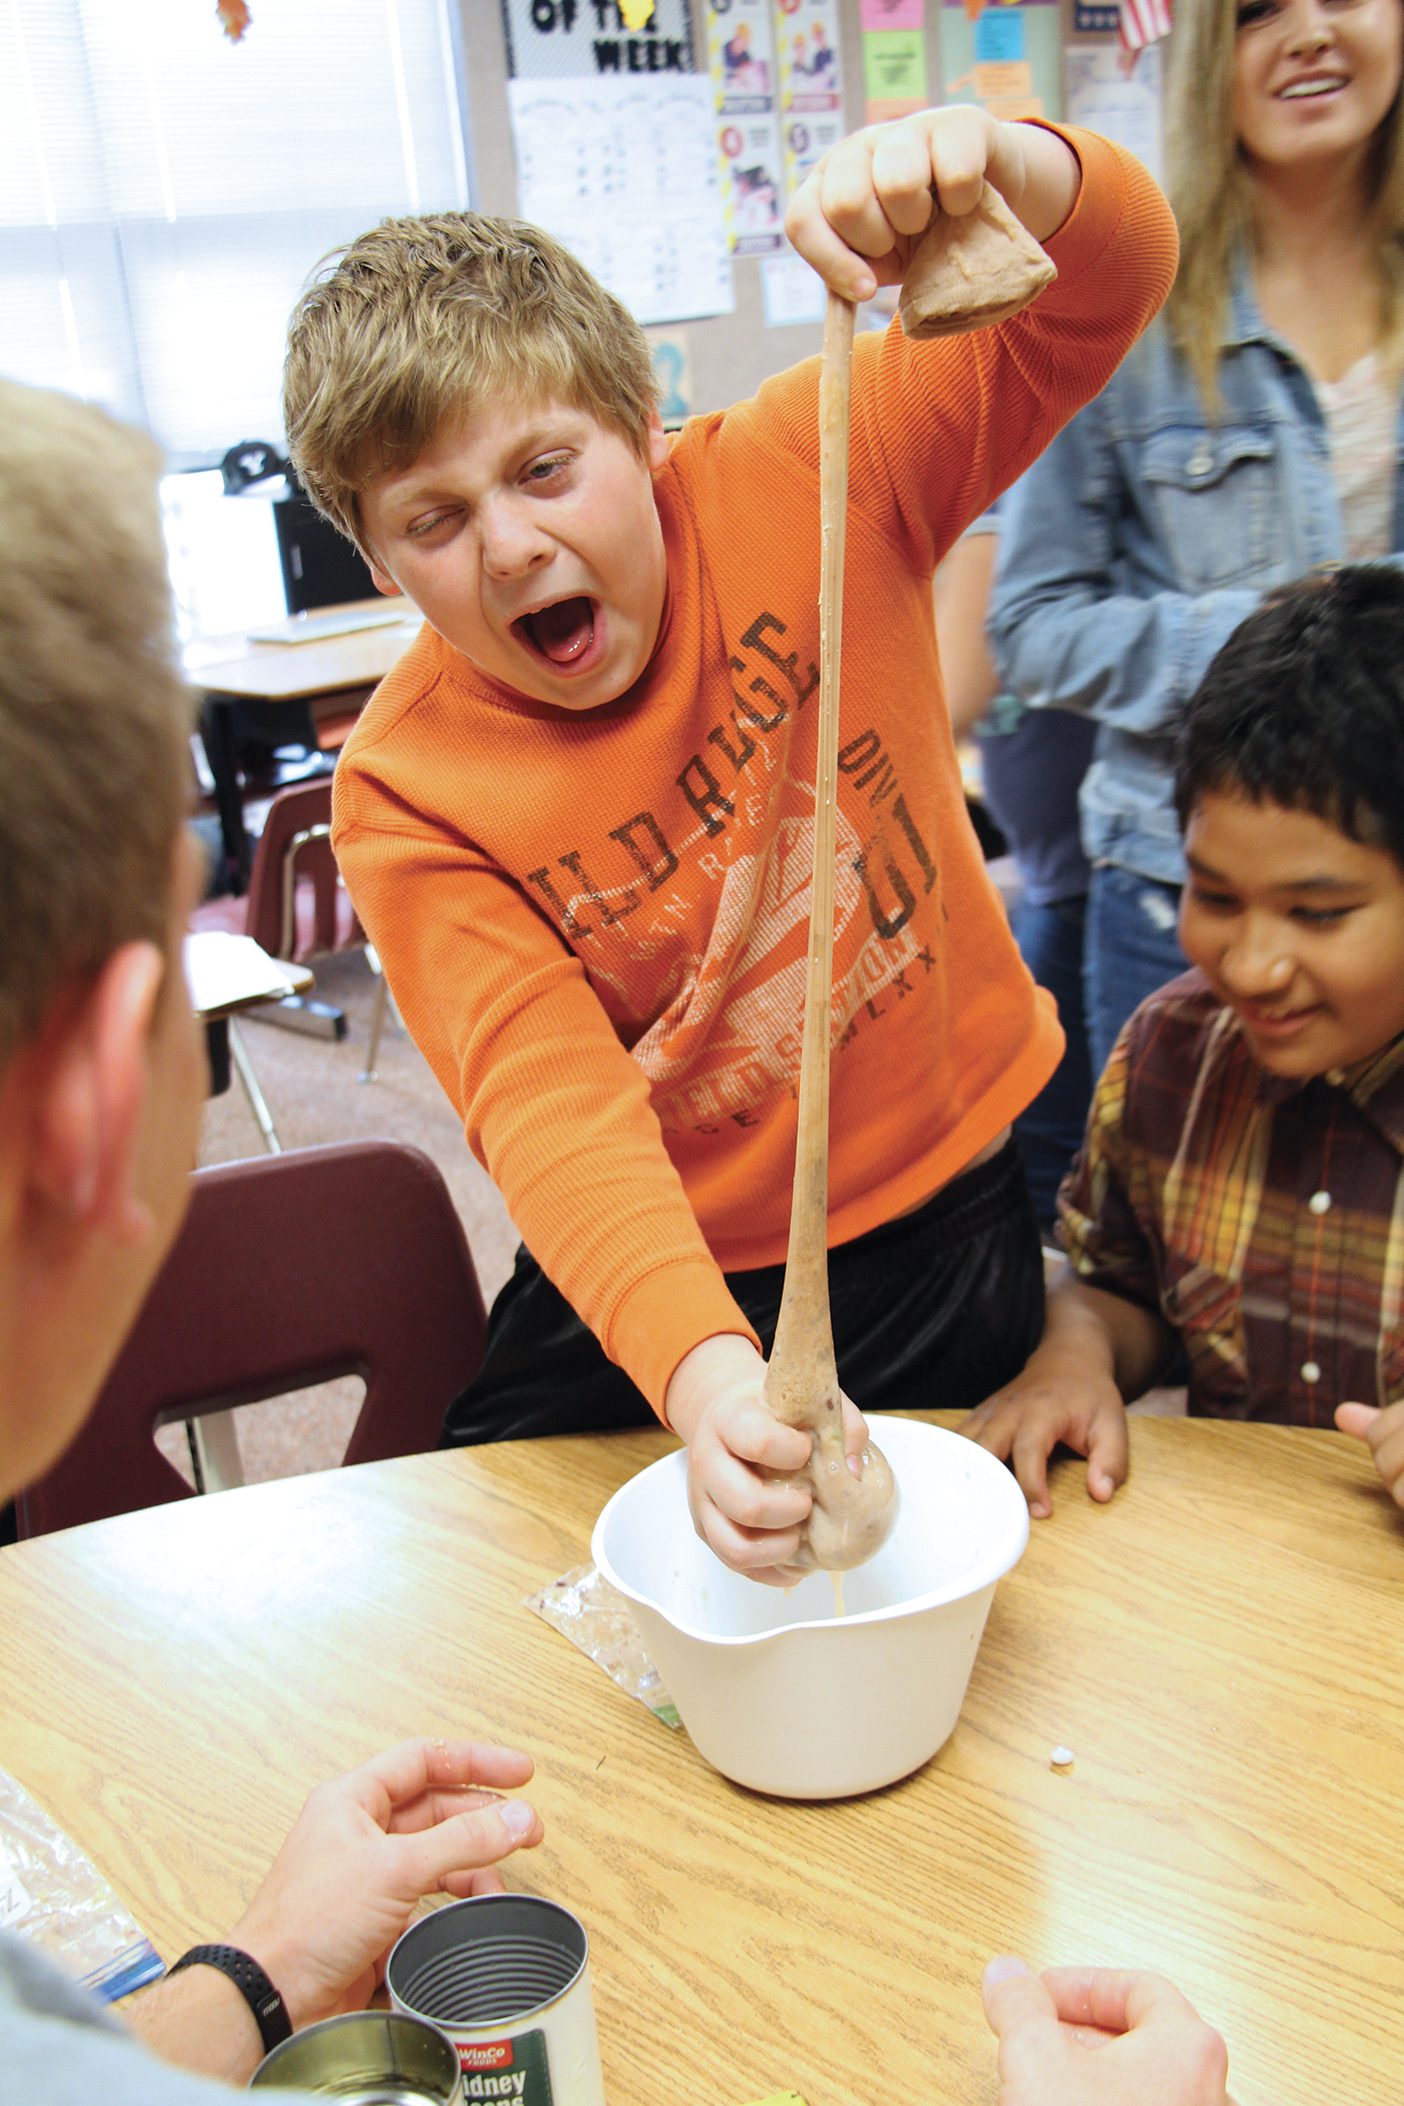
268 2008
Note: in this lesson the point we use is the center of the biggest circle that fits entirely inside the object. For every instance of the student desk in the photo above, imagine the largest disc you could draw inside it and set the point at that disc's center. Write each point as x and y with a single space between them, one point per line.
228 974
1222 1648
232 672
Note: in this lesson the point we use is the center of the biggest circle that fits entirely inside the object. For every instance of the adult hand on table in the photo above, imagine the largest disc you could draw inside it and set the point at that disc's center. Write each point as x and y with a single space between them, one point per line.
1383 1432
737 1453
423 1818
1100 2036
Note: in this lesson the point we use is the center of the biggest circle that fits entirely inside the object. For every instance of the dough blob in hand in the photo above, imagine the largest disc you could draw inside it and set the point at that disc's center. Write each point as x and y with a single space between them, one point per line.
851 1517
972 271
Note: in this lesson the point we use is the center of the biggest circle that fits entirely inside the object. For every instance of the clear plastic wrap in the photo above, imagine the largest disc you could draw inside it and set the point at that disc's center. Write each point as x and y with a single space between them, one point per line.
52 1894
595 1617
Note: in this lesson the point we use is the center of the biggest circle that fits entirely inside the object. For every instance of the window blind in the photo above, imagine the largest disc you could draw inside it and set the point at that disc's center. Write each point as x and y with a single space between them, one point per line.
164 194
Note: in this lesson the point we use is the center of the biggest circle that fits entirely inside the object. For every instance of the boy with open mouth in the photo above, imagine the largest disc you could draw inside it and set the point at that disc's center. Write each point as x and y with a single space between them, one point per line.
576 820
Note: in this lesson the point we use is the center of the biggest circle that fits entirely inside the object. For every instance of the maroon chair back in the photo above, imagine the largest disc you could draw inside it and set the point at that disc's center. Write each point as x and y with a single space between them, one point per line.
289 1270
297 908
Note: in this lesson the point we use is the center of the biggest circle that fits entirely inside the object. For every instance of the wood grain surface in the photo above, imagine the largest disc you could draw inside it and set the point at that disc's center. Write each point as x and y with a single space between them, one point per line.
1220 1648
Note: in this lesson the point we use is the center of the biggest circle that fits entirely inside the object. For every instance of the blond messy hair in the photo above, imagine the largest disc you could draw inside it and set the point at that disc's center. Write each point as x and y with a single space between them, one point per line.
1211 192
94 716
421 321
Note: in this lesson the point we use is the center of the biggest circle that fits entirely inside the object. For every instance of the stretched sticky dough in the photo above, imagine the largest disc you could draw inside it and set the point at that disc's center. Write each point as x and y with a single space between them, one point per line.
967 273
850 1515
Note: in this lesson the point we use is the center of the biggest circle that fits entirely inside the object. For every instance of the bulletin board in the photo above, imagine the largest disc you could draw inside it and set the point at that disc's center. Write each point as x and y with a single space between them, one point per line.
933 54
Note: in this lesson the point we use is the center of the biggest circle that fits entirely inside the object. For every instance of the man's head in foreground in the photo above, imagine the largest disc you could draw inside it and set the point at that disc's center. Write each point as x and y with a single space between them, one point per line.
101 1069
477 413
1290 790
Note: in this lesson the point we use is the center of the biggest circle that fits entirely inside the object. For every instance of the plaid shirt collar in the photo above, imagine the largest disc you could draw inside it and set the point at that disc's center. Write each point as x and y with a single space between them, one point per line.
1375 1085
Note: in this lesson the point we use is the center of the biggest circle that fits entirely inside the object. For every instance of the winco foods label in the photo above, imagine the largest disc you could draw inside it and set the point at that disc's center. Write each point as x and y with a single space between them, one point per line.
507 2069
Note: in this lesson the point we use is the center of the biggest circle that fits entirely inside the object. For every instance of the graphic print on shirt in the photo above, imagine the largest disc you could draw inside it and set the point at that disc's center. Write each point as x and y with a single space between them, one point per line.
726 1031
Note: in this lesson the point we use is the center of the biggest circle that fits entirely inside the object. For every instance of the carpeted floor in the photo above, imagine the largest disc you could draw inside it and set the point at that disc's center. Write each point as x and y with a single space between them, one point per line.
315 1094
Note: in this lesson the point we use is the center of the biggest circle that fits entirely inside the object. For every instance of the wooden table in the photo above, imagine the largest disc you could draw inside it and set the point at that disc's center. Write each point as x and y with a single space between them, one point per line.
1221 1648
233 673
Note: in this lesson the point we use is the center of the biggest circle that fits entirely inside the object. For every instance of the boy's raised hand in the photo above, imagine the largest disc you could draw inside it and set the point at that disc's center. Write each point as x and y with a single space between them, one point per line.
1046 1404
864 205
736 1451
1383 1431
1100 2036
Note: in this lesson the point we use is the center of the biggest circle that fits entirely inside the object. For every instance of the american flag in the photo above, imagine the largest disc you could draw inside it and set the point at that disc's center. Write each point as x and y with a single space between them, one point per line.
1143 22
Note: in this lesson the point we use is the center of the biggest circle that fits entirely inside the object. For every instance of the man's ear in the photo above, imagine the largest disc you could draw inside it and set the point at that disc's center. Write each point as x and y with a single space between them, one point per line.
91 1093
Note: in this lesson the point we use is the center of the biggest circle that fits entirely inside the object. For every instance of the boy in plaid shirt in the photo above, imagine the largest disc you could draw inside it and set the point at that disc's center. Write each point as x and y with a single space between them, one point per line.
1240 1190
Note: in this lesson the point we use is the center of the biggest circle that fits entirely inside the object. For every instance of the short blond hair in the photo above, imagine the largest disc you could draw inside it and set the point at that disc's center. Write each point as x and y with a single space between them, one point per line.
94 716
420 321
1211 192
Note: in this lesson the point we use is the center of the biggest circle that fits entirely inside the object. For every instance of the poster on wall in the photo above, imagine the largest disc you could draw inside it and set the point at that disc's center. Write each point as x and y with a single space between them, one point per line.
624 172
811 83
752 185
596 39
740 57
741 62
1007 58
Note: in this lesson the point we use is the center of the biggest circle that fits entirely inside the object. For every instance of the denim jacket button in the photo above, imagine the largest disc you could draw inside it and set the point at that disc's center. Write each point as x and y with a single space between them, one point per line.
1200 461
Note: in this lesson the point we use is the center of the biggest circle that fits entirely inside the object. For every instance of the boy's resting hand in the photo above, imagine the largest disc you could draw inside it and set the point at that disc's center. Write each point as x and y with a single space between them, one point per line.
865 204
1052 1402
737 1448
1099 2036
1384 1433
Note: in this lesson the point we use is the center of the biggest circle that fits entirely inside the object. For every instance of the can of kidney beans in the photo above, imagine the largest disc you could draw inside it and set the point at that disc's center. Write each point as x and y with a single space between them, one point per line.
507 1978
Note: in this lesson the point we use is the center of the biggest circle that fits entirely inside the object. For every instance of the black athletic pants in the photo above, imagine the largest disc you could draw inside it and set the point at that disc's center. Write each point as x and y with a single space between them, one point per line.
937 1308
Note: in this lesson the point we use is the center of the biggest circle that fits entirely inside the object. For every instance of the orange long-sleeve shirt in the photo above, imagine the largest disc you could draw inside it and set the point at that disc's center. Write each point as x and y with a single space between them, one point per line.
595 925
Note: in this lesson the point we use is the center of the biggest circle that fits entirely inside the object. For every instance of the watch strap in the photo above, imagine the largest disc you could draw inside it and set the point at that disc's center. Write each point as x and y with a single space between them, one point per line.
269 2010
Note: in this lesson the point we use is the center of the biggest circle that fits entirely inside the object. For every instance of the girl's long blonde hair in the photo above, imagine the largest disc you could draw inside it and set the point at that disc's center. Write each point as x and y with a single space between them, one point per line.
1211 192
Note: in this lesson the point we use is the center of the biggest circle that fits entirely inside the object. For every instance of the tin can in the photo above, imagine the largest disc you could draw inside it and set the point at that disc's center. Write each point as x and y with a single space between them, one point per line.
507 1977
366 2058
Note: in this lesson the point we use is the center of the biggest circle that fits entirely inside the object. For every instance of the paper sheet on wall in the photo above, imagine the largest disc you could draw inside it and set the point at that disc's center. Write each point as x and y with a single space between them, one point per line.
1098 94
741 56
791 292
1006 58
741 61
565 39
625 174
810 60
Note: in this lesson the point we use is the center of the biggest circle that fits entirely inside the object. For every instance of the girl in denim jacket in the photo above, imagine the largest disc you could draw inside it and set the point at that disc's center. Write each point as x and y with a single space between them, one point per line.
1254 432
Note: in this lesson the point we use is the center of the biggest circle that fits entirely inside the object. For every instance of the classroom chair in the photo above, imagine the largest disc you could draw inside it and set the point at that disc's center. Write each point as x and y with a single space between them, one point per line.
289 1270
297 908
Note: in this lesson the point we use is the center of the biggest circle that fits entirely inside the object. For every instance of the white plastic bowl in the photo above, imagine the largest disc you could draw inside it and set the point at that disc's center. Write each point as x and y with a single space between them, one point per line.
776 1691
